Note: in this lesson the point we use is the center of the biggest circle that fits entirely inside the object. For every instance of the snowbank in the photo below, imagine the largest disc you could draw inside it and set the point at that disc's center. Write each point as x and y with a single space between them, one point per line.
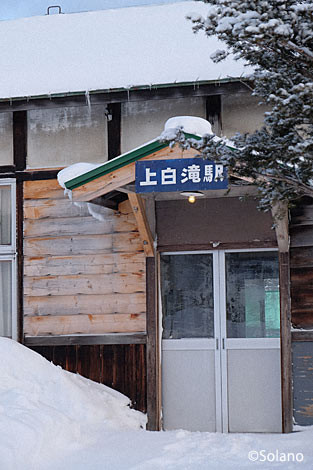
45 411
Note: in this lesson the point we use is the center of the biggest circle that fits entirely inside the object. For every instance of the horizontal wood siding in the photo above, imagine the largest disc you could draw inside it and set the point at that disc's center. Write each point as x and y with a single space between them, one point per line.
301 264
303 382
81 275
122 367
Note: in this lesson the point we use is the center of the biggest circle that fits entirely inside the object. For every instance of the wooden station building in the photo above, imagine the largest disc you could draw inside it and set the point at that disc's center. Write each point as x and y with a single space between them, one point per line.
201 313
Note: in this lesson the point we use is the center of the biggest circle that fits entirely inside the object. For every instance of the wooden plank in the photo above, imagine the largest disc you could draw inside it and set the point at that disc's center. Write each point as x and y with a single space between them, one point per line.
19 139
84 324
285 342
142 223
125 175
302 335
152 351
303 380
43 189
56 208
116 338
301 257
84 264
281 221
84 284
85 304
83 244
301 236
78 226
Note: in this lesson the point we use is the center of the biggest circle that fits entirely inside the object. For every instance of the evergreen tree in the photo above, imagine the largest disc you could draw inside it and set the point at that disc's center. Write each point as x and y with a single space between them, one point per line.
276 37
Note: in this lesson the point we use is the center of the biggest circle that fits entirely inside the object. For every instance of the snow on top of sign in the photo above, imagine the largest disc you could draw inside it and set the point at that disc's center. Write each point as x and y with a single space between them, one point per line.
108 49
189 124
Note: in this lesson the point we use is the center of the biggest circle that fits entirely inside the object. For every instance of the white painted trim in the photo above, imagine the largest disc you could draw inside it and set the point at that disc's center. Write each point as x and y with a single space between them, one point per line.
224 378
217 333
196 252
252 343
12 247
188 344
8 252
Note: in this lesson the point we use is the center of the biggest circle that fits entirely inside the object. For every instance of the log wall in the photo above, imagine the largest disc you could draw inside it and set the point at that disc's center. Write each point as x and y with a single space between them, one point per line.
81 275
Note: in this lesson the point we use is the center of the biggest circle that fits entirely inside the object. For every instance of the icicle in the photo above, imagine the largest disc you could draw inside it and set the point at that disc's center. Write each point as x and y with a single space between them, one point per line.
87 95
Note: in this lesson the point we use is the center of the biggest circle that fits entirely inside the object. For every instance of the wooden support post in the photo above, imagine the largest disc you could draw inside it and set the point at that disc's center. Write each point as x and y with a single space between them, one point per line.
142 222
285 342
153 389
214 113
20 139
114 130
19 155
280 215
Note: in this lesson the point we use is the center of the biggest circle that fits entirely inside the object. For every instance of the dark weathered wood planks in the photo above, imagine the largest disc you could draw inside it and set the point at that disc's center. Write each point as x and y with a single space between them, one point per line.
120 366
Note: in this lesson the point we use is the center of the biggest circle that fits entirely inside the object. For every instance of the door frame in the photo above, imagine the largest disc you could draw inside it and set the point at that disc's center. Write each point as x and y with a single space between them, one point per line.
220 331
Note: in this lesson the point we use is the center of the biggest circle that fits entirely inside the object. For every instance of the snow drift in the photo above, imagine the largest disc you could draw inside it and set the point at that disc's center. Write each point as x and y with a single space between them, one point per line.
45 411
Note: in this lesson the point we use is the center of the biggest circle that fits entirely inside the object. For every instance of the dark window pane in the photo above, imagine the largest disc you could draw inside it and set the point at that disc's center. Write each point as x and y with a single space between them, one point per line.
187 296
252 295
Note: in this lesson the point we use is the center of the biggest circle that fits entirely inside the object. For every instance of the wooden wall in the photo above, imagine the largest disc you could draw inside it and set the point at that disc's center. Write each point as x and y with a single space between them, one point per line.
301 264
122 367
81 275
226 221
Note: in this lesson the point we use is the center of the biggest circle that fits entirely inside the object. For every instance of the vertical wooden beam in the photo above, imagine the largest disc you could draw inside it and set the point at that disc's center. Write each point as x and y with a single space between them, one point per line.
138 208
280 216
114 130
285 341
19 156
20 139
20 259
153 398
214 112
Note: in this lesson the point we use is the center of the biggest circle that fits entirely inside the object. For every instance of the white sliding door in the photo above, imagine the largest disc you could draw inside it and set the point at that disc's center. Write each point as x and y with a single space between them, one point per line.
220 341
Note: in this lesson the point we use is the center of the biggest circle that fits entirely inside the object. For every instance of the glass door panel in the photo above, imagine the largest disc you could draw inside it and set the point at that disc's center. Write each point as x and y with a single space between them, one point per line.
187 296
252 295
189 377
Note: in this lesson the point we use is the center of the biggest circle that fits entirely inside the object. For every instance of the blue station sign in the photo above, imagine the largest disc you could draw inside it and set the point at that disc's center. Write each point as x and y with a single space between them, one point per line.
182 174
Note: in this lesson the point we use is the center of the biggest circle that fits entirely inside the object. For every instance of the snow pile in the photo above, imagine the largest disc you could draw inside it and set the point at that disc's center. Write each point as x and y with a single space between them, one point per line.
189 124
108 49
75 170
45 411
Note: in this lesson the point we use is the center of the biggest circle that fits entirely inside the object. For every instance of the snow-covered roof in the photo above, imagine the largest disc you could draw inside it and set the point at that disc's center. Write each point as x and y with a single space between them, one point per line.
108 49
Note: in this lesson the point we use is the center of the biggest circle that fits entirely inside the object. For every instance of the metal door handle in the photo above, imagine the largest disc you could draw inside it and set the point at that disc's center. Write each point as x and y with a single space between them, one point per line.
223 343
216 343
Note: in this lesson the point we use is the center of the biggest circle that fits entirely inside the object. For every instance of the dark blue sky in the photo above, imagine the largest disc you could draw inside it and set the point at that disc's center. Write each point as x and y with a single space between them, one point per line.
10 9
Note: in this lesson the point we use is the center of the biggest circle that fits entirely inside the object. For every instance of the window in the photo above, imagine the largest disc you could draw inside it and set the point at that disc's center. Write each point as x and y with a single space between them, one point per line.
7 259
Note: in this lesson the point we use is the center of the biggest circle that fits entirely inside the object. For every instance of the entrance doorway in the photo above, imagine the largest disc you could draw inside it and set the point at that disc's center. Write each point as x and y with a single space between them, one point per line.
220 341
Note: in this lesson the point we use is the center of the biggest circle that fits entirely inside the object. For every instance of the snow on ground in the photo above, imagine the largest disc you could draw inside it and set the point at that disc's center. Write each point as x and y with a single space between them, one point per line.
108 49
51 419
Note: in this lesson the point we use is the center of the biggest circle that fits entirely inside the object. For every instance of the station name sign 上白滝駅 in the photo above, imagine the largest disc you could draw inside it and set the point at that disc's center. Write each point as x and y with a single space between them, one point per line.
182 174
